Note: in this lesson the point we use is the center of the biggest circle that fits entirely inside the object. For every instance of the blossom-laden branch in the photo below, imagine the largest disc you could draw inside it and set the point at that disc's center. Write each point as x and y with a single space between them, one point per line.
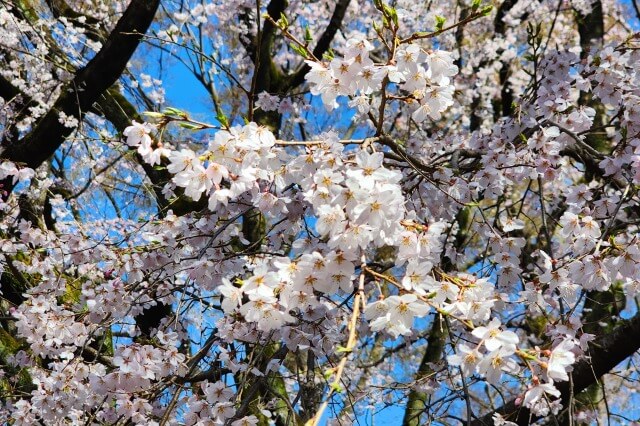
475 14
603 355
324 42
355 213
335 386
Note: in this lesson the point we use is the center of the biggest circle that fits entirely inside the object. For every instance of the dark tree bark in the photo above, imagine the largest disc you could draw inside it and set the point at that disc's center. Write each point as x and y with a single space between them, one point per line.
85 89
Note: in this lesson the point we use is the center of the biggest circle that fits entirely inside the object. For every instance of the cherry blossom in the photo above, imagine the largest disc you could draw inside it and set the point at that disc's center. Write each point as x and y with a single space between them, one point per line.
426 206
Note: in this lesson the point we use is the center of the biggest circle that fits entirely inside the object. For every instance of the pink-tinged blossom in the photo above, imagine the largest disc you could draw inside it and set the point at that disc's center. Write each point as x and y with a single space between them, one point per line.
396 176
560 359
467 358
494 337
138 134
496 362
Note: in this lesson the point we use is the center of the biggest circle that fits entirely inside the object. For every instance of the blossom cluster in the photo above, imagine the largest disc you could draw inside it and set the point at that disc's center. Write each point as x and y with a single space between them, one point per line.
424 76
499 226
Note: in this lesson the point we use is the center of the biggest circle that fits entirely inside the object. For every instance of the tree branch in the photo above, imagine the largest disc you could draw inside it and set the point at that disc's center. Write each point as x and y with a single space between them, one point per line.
417 402
324 42
89 83
605 353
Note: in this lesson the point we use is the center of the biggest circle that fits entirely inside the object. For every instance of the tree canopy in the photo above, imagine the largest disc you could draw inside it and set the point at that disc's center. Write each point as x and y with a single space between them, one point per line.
365 211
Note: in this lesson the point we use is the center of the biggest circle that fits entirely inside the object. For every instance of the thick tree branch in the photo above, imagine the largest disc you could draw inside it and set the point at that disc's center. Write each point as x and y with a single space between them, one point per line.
417 402
267 75
591 28
7 90
60 8
89 83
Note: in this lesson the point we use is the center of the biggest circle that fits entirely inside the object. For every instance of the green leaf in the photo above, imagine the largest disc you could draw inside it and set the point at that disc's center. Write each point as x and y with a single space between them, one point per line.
475 5
174 112
394 17
391 13
283 22
222 119
307 34
440 22
298 49
153 114
486 10
189 126
329 55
